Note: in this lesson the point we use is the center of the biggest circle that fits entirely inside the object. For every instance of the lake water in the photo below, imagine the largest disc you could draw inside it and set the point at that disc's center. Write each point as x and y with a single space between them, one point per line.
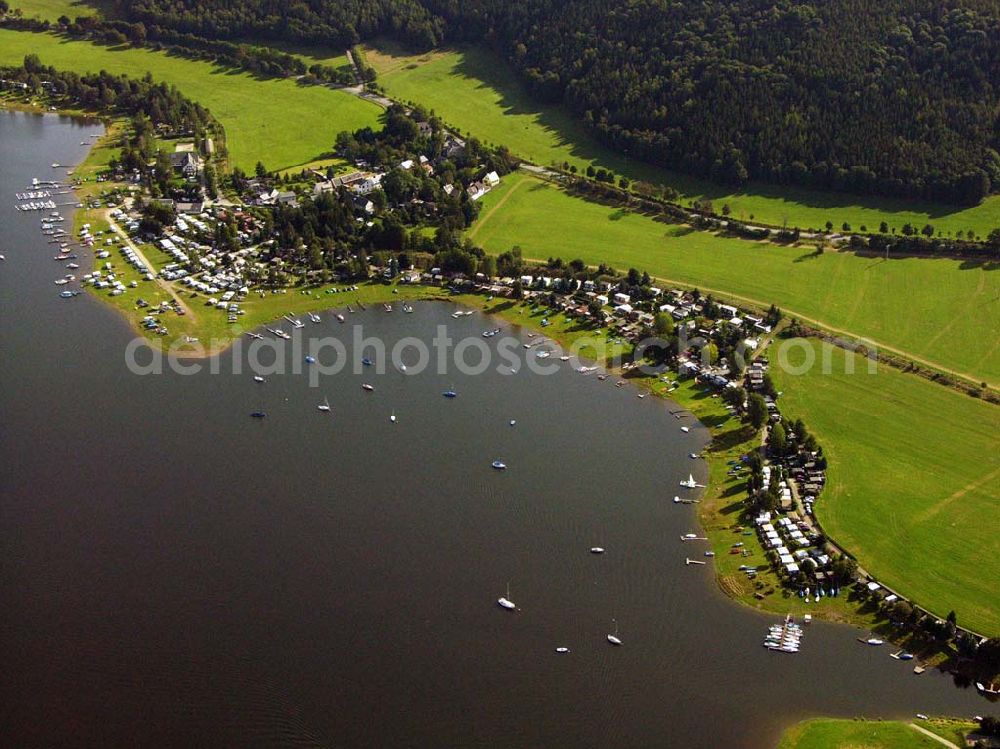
176 573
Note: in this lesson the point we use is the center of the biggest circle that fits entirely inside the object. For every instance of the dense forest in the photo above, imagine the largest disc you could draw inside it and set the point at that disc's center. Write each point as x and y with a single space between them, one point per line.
897 97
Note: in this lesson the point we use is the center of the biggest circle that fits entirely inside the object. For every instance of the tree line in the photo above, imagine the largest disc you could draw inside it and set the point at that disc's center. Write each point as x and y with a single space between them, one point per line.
892 98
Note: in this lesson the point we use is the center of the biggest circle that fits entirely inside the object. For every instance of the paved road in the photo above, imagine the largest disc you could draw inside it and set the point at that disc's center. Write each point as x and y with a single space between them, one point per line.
932 735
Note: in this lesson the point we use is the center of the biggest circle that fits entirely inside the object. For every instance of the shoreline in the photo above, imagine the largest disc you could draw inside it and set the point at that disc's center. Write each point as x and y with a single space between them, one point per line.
691 399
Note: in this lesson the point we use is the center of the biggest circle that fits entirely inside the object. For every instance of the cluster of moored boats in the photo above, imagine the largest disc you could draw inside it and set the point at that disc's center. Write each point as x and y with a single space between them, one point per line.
785 637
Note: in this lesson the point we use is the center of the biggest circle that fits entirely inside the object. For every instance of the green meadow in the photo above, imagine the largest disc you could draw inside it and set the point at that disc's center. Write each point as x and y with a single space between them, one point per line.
830 733
275 121
931 309
50 10
913 480
476 92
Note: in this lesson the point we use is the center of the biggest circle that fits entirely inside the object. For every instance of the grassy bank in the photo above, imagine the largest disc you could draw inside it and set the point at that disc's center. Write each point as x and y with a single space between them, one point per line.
913 481
827 733
931 309
276 121
477 92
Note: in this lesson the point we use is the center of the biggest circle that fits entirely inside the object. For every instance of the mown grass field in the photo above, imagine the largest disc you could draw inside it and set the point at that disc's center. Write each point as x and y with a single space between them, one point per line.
50 10
828 733
914 478
935 309
275 121
476 92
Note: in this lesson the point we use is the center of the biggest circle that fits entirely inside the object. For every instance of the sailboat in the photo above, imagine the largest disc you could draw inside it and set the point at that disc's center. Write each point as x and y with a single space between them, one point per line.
613 638
505 601
689 482
314 317
392 418
325 405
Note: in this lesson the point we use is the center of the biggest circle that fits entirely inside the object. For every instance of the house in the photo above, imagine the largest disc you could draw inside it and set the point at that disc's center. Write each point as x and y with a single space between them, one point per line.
623 309
286 198
476 190
727 311
453 147
187 163
192 208
448 189
362 203
425 129
492 179
622 298
407 165
368 185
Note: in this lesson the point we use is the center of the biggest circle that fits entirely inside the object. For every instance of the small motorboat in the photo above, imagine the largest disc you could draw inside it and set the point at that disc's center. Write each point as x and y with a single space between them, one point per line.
875 641
340 318
499 465
258 414
685 429
366 361
310 360
513 422
596 549
562 650
449 394
392 417
366 386
613 638
314 317
258 378
505 602
325 405
693 456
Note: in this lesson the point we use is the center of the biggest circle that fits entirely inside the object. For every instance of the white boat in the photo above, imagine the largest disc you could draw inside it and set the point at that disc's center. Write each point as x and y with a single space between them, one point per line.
596 549
685 430
689 482
392 418
613 638
61 281
505 602
366 386
325 405
543 354
513 422
499 465
314 317
562 650
340 318
258 378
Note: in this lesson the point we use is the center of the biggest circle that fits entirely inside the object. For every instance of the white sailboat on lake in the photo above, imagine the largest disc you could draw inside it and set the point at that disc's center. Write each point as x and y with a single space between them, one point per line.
505 602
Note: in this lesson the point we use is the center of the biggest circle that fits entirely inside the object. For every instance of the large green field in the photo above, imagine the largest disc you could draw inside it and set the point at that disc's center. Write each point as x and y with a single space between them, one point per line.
828 733
914 479
934 309
275 121
476 92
